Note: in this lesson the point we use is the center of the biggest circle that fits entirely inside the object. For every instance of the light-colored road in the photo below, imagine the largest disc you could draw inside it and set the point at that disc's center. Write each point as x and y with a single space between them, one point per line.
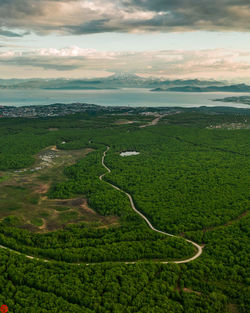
154 122
199 248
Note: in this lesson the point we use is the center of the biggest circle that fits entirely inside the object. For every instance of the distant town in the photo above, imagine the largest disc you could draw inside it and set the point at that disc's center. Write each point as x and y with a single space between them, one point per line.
62 109
53 110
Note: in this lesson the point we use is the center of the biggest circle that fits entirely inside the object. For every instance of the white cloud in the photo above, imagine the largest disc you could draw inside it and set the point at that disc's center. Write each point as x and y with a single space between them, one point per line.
72 51
170 63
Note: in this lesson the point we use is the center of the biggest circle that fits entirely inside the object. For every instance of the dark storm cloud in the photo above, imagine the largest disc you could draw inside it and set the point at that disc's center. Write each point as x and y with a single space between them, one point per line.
197 14
19 8
95 26
86 17
8 33
166 5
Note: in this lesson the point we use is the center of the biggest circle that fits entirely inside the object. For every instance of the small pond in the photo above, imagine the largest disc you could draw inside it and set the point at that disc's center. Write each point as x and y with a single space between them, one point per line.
129 153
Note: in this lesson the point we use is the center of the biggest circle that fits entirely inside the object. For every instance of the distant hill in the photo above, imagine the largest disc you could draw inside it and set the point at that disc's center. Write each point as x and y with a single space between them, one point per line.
118 80
230 88
243 99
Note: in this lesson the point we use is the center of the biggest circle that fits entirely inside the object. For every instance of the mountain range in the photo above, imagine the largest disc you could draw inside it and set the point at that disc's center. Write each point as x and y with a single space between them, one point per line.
125 80
118 80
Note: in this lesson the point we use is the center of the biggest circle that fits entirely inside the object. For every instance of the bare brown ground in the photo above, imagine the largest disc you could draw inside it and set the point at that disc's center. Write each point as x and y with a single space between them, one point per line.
121 122
35 187
85 207
109 224
107 221
188 290
54 148
42 189
191 291
79 205
44 226
155 121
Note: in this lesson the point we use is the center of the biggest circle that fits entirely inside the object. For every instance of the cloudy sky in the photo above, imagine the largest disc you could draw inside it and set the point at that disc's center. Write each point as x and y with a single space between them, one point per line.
90 38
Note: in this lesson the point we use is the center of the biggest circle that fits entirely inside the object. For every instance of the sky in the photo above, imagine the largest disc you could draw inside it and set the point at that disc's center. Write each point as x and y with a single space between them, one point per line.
151 38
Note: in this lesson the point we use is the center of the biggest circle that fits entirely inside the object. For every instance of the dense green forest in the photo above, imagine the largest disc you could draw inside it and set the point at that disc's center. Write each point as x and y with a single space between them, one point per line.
81 244
217 282
189 179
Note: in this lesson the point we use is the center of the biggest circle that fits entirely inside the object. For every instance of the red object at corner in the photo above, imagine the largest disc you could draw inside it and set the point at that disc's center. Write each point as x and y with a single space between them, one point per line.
4 308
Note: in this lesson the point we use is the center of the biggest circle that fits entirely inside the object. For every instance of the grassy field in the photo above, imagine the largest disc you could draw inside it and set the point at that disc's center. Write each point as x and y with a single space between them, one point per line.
23 194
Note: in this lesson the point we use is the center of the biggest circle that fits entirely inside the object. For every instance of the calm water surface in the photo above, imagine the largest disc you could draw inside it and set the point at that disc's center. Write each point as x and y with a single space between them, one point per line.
129 153
120 97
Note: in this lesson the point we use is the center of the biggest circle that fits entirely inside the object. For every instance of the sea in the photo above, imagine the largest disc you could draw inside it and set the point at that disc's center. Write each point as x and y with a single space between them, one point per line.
137 97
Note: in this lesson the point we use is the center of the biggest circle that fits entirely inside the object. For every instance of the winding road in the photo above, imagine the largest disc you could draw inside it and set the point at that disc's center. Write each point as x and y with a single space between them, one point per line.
199 248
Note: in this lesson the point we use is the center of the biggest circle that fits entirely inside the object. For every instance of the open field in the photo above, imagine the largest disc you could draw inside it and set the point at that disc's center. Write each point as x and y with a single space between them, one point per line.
23 194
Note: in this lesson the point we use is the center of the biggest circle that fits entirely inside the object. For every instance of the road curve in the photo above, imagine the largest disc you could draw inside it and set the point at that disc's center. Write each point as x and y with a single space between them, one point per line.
199 248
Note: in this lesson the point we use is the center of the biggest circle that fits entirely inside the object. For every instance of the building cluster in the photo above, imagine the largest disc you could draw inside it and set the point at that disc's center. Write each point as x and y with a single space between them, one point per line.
57 109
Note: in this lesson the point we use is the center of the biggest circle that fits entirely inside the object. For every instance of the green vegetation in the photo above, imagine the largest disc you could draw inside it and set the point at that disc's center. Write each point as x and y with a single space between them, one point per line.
24 191
215 283
130 242
60 209
3 178
184 180
188 180
68 216
37 221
